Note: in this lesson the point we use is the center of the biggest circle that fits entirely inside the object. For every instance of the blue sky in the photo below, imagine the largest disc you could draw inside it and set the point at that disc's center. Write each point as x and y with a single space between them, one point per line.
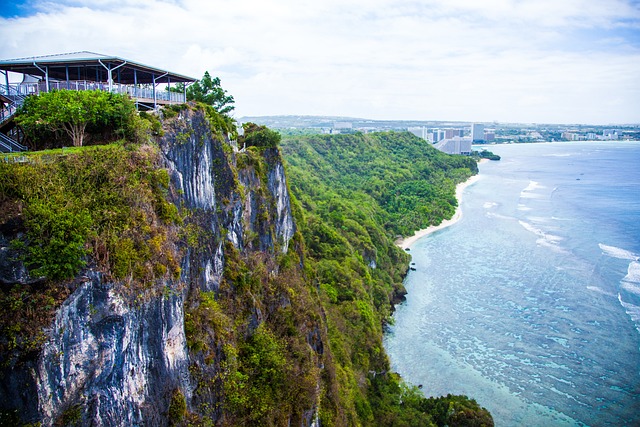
541 61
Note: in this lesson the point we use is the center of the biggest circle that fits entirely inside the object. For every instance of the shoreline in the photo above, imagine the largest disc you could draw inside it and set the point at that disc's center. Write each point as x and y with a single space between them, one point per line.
407 242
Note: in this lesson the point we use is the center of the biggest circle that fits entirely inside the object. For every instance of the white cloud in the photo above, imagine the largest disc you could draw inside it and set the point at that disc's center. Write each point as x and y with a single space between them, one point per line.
506 60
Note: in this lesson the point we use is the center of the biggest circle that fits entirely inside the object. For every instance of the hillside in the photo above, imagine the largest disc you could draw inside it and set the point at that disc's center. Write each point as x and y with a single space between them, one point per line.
356 193
401 182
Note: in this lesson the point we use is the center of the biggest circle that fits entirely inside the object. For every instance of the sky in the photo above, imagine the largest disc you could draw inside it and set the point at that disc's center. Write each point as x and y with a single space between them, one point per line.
524 61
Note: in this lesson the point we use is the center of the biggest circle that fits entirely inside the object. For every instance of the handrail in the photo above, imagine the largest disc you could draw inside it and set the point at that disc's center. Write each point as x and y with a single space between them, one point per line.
7 112
5 146
10 144
23 90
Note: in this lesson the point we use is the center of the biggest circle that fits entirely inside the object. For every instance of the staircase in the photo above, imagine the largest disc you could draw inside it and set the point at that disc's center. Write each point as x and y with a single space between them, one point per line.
10 99
8 145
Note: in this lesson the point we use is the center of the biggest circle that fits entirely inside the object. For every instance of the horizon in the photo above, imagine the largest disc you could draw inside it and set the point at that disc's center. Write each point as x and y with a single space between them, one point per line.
464 122
505 61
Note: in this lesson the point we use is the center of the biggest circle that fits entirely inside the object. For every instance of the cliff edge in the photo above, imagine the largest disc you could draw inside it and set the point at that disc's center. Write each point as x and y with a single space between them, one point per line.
165 321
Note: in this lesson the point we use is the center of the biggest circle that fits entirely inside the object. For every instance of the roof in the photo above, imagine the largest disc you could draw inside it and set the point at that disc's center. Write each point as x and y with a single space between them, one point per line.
91 66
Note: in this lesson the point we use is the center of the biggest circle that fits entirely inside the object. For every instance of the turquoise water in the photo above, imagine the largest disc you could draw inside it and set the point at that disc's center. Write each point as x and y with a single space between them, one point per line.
531 302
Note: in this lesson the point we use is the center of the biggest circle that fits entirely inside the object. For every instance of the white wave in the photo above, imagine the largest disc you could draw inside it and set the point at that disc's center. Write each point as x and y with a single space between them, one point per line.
555 218
495 215
632 310
533 186
489 205
545 239
631 288
633 272
528 191
538 219
530 195
600 291
531 228
522 207
619 253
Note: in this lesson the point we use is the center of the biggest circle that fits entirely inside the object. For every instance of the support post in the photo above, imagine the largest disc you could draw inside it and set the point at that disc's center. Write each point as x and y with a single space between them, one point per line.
109 70
135 86
153 77
46 76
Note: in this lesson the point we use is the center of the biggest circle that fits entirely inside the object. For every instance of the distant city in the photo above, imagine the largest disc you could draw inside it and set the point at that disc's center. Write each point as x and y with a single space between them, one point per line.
452 137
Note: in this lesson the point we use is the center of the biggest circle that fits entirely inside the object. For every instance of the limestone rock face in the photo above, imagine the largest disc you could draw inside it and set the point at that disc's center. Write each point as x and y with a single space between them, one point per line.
119 362
110 359
284 225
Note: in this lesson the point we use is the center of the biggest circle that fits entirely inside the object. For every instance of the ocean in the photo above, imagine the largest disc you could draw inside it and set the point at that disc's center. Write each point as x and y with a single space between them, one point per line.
530 304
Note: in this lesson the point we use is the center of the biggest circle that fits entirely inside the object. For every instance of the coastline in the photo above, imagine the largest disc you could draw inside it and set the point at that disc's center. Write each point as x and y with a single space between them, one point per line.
407 242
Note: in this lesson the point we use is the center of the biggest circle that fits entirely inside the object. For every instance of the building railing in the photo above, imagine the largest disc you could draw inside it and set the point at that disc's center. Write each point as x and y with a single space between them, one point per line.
145 92
7 112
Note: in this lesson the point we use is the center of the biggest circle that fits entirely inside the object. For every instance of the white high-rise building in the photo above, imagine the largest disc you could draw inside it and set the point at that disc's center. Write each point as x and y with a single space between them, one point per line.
477 132
420 132
455 145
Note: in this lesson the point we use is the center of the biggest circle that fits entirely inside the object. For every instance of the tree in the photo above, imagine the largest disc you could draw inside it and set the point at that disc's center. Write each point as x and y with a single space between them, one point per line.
209 91
72 111
258 136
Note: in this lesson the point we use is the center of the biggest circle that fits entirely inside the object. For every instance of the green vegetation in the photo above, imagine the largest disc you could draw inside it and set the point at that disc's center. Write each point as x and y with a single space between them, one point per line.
70 417
105 205
208 91
352 195
258 136
398 181
221 124
485 154
76 113
249 339
108 202
177 407
269 371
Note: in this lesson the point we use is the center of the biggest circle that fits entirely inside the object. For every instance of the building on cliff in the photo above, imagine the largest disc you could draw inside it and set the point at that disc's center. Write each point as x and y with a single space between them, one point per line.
81 71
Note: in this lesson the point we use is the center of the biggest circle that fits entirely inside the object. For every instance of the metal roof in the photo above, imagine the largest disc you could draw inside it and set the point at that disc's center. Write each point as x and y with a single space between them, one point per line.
91 66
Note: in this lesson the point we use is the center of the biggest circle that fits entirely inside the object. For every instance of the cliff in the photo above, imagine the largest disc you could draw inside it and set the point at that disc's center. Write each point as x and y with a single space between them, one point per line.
170 346
178 281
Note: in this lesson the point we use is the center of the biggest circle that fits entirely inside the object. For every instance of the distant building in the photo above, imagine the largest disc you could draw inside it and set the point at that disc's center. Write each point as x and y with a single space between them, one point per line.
342 125
420 132
572 136
452 133
439 134
489 136
436 135
455 145
477 132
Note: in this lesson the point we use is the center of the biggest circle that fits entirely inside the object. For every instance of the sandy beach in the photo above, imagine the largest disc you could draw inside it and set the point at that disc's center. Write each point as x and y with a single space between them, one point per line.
408 241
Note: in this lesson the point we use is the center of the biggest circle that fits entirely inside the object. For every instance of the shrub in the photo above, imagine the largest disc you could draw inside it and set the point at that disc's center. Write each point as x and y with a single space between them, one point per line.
76 113
177 407
258 136
57 237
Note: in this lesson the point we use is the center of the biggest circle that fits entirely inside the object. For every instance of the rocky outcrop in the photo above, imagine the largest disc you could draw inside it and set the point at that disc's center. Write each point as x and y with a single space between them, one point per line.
119 363
284 226
113 359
